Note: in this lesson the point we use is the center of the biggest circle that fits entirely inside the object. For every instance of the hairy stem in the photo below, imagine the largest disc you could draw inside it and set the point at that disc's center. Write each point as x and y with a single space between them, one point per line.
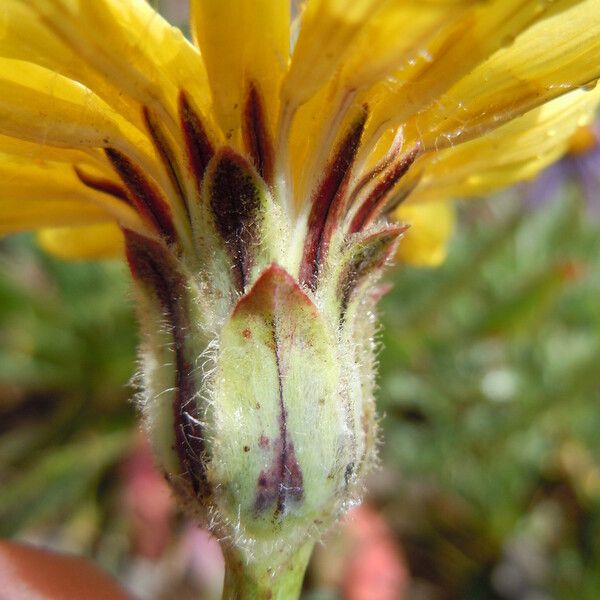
266 580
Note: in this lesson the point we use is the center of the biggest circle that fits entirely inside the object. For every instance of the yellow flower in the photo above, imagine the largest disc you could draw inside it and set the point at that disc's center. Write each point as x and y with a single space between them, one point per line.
425 243
79 78
249 178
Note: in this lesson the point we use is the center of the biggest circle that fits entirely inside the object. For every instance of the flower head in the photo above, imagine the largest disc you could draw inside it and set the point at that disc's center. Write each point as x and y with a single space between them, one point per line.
84 83
252 179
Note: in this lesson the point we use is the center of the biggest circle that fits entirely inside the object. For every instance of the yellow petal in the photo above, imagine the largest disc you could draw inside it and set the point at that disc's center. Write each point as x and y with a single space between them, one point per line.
559 53
104 240
39 193
242 42
38 105
425 243
23 36
466 37
129 43
583 140
26 215
516 151
328 28
12 146
310 141
418 49
397 38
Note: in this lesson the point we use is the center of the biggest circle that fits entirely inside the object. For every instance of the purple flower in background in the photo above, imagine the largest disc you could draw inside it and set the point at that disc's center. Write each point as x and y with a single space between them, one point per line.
580 166
176 11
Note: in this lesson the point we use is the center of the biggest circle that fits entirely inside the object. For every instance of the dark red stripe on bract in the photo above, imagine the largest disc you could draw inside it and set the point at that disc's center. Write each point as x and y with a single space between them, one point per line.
366 256
144 194
199 147
155 268
235 203
375 202
328 203
379 168
100 184
396 198
256 136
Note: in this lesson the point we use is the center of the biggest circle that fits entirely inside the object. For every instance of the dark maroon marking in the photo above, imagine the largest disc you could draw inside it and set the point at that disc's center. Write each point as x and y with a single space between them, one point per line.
199 147
367 255
372 174
375 202
328 203
348 472
283 482
291 484
101 185
144 194
256 136
165 150
398 197
152 264
236 207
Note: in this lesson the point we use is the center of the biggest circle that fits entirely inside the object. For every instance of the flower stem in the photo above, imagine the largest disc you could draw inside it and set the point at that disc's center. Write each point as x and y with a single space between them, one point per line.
270 580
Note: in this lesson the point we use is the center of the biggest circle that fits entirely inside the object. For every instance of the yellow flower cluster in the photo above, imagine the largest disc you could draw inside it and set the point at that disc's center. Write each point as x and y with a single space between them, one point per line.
454 98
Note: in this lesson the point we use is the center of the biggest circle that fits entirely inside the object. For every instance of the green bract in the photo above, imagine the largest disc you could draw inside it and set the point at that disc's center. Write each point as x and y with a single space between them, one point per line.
257 389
